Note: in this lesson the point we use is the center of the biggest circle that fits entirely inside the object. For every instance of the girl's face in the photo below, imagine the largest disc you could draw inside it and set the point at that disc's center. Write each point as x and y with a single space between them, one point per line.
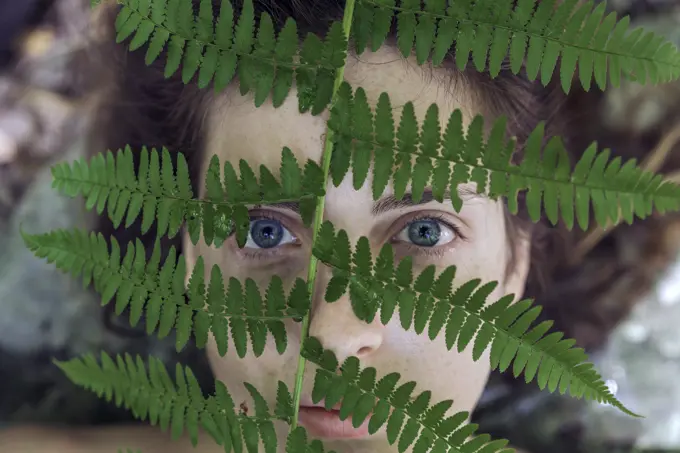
474 240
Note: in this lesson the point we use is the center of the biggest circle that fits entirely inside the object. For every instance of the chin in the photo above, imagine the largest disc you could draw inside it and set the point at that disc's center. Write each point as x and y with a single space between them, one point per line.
373 444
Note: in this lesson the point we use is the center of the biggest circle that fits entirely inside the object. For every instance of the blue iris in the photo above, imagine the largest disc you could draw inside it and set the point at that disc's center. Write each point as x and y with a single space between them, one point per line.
266 233
425 233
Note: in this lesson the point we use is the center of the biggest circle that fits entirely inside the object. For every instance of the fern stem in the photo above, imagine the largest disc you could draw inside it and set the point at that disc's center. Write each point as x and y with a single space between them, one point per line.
348 14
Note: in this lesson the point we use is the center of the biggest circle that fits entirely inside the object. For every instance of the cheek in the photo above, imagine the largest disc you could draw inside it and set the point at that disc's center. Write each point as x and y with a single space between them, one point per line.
458 376
485 255
261 371
448 374
233 263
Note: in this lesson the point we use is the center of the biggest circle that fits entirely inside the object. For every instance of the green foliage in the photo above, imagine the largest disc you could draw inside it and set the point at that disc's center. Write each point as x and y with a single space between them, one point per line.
179 404
427 301
411 421
534 34
297 442
158 291
159 191
267 58
233 46
443 160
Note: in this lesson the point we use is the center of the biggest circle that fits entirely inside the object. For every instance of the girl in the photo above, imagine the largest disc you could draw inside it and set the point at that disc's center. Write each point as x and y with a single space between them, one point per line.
140 107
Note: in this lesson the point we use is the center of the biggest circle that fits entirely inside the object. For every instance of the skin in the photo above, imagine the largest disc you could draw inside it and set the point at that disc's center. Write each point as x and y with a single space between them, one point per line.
473 239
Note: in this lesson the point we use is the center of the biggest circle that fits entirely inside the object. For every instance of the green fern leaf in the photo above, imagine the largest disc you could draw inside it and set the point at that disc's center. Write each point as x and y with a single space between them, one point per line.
262 72
383 11
205 30
362 22
152 395
406 26
342 150
310 54
465 314
144 29
245 28
285 50
407 142
409 421
425 31
284 403
596 183
226 57
168 198
243 43
536 34
384 136
264 62
159 291
267 432
297 442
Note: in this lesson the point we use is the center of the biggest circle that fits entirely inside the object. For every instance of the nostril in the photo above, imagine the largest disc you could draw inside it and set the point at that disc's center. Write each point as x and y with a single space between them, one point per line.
363 351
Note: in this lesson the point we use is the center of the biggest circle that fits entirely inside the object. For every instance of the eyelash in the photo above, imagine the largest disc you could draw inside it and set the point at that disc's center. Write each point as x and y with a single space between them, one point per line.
437 252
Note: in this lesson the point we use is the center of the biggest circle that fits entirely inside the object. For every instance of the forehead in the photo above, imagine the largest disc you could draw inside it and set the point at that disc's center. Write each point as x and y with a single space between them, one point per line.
236 129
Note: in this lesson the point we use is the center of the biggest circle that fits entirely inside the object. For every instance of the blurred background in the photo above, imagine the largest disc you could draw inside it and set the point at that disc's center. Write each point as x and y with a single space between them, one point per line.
627 277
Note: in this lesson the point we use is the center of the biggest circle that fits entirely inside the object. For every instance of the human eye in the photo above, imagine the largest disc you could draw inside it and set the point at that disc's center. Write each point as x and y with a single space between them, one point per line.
427 232
268 233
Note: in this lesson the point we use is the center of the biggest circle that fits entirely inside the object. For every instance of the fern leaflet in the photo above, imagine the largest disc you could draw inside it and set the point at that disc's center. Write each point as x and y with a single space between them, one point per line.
159 292
429 302
264 61
446 160
537 33
162 193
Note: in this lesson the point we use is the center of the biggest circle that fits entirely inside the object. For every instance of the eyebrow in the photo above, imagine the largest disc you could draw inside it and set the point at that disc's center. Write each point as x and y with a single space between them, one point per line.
390 202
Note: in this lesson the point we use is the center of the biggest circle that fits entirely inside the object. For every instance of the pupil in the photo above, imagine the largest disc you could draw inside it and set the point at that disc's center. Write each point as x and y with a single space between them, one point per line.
266 233
425 233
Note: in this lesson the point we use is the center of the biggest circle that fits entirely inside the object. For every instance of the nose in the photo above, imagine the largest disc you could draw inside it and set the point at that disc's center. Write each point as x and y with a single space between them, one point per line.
338 328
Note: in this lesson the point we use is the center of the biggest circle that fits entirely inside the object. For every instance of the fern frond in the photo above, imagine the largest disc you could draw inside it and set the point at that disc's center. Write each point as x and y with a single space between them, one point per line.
427 301
159 191
446 160
410 420
150 393
264 61
177 405
538 34
158 291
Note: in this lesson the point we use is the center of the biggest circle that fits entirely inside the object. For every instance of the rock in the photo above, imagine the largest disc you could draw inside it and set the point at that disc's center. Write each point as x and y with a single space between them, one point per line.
40 307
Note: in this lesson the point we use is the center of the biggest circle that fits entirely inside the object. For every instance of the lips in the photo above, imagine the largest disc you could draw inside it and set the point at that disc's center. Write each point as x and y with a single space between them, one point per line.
326 424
